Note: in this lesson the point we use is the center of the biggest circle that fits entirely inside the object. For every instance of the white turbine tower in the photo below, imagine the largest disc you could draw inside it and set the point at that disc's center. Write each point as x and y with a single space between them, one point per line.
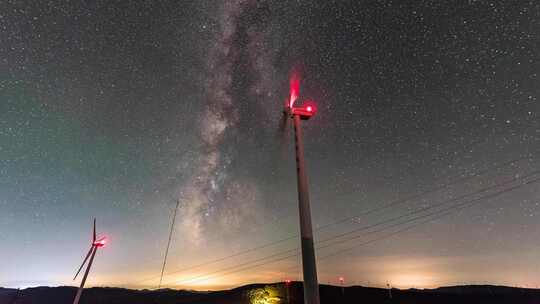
96 243
298 113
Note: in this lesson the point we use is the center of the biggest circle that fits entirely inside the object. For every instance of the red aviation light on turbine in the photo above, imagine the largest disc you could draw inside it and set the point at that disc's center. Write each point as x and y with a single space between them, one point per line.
101 242
308 109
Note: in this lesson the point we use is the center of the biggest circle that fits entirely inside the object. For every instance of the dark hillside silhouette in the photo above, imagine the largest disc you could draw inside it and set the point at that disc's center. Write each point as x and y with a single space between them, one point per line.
276 293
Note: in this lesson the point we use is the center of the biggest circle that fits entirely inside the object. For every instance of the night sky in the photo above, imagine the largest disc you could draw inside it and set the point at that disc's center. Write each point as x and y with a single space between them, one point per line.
117 109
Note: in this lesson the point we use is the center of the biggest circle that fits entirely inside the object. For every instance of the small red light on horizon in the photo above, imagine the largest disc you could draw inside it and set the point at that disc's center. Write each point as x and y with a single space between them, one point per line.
309 108
341 279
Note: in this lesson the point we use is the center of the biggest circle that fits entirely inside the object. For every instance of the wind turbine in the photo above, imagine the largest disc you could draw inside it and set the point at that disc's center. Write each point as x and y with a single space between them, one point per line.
298 113
91 253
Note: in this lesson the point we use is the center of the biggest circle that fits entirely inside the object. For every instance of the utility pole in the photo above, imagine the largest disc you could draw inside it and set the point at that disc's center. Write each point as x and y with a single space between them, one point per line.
311 285
168 243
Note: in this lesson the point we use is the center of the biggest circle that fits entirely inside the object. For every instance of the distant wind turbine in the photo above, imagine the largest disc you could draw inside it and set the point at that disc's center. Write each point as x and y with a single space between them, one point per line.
91 253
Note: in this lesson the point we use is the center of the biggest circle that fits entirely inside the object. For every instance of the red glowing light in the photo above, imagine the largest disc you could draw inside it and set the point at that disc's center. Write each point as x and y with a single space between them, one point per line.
101 242
294 89
341 279
310 106
287 282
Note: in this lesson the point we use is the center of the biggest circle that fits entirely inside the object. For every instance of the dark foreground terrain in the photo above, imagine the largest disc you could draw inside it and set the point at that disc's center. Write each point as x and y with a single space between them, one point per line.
274 293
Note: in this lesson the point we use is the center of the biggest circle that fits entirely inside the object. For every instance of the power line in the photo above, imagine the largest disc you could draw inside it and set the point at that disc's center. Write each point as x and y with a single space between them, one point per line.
223 258
373 240
443 213
454 180
377 209
426 208
415 196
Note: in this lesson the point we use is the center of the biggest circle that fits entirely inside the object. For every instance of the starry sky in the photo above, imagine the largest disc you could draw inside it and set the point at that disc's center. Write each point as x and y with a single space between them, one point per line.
422 158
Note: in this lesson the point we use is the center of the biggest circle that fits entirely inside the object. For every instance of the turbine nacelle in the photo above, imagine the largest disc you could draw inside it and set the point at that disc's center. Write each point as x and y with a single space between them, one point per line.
305 111
292 107
308 107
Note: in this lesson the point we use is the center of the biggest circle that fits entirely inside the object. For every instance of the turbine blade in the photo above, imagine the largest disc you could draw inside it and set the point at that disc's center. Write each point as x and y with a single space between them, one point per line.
94 235
294 84
84 262
283 123
282 136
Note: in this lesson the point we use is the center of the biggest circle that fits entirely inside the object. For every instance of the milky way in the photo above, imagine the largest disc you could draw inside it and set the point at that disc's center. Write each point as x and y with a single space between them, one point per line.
211 193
